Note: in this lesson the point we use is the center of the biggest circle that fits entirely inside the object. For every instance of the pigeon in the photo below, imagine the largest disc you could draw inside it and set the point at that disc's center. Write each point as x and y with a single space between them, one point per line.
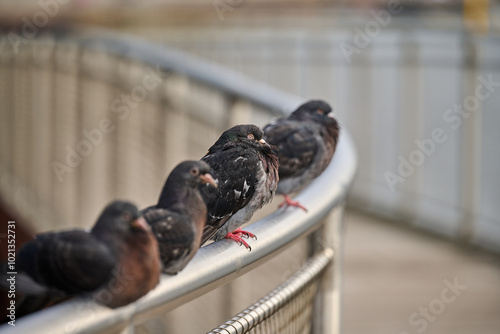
246 170
177 221
116 263
305 142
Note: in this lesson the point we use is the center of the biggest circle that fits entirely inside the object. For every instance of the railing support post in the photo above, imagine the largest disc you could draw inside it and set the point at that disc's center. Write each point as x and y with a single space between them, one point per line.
328 304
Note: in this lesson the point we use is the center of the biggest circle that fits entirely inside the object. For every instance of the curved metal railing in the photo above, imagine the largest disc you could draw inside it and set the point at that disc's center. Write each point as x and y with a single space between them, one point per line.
218 263
432 70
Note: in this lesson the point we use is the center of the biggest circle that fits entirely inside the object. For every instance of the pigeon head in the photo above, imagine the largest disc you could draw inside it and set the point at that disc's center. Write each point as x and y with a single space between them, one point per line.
315 110
245 134
193 173
120 218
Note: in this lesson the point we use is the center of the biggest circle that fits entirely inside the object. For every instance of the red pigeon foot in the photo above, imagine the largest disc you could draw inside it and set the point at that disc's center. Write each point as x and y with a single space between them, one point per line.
289 202
236 236
240 233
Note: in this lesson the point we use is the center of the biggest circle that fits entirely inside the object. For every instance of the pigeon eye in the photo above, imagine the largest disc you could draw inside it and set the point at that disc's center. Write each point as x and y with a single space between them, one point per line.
320 111
250 136
127 216
194 171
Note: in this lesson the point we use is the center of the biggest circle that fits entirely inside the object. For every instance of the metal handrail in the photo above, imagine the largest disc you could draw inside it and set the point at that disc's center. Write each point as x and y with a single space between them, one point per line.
180 62
218 263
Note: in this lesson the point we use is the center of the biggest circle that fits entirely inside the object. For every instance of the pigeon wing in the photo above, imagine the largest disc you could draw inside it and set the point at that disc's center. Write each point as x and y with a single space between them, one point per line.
173 231
72 261
235 170
296 145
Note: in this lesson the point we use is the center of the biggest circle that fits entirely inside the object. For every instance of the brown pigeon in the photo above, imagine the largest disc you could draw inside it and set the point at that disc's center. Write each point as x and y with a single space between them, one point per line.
116 263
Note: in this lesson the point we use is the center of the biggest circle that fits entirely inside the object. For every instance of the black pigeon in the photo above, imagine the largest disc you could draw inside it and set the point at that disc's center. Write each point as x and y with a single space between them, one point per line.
116 263
306 141
246 170
179 217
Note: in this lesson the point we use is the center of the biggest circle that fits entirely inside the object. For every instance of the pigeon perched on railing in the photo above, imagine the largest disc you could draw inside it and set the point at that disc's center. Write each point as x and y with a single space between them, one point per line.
116 263
306 141
179 217
246 169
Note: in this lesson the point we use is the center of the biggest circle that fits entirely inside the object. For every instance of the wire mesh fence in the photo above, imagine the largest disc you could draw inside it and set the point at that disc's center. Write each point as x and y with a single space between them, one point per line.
288 308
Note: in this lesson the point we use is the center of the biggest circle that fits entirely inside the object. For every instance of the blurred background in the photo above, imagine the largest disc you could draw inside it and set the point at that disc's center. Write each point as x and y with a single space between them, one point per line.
417 84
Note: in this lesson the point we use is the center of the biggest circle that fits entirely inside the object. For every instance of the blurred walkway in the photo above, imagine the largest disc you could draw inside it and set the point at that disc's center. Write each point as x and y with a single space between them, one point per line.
396 282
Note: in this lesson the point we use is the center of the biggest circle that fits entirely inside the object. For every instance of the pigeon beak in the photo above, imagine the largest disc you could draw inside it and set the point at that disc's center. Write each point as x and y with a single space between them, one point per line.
207 178
141 224
264 143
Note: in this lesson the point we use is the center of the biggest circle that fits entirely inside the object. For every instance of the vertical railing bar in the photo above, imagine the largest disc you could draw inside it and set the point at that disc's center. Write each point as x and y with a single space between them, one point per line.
327 317
471 147
291 288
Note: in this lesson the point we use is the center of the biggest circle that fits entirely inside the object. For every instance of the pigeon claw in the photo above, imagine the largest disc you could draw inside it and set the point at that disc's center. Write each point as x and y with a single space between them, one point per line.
236 236
289 202
239 232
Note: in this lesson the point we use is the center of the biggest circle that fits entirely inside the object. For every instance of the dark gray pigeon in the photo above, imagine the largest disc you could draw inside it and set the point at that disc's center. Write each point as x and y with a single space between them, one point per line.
116 263
246 170
179 217
305 141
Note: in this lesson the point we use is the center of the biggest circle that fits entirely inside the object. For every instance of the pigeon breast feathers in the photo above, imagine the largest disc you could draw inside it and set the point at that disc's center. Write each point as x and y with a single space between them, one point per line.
236 167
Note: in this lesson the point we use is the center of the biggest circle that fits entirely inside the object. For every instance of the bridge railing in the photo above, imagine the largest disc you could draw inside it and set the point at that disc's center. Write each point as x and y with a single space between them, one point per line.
92 116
